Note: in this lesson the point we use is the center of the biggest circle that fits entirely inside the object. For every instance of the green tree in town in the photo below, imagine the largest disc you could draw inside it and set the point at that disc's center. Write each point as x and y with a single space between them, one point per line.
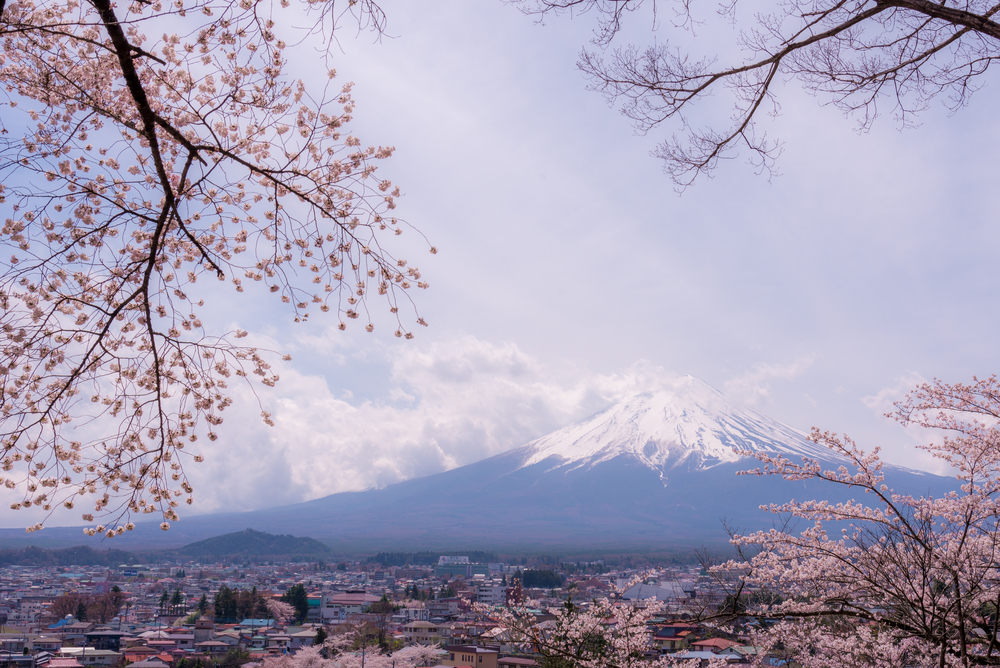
176 602
298 598
234 657
225 604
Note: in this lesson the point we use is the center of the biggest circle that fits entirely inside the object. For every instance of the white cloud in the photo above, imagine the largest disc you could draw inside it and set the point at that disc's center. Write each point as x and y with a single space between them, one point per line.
446 405
752 387
882 401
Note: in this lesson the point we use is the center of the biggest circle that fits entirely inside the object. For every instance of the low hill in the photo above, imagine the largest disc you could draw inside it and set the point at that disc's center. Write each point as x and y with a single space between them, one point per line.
250 543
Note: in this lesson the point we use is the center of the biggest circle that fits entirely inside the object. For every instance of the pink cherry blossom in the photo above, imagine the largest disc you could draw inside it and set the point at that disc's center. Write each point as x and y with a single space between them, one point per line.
149 146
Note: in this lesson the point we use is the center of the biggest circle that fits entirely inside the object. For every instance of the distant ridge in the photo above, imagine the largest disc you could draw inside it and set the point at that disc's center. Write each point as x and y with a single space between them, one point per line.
656 471
79 555
250 543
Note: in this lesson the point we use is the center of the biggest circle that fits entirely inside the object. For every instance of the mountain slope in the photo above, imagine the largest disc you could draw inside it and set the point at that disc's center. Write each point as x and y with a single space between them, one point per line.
655 471
666 428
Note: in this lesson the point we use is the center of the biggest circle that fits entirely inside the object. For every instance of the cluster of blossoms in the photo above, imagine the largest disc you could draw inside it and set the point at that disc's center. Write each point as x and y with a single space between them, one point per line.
130 168
890 579
902 581
604 633
343 651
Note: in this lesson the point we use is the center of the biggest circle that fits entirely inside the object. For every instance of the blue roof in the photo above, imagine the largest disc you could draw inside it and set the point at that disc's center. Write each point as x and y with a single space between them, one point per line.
257 622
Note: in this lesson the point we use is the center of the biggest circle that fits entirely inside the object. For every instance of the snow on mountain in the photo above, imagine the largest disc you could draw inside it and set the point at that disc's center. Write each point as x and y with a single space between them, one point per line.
655 471
666 428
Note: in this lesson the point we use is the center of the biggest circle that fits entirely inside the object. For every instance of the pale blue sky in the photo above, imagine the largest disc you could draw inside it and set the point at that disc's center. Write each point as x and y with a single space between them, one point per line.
571 273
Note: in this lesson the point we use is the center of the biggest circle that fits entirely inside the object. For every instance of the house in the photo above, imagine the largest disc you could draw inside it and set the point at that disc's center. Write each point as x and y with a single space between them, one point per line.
152 662
490 594
136 654
104 639
231 638
443 607
336 607
13 643
304 638
182 638
252 624
703 657
739 653
212 647
411 615
88 656
204 630
75 633
63 662
162 645
13 660
45 644
714 645
665 591
470 655
423 633
516 662
674 637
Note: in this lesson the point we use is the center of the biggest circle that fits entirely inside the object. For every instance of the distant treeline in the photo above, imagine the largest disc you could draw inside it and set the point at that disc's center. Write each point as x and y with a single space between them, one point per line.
543 579
80 555
429 558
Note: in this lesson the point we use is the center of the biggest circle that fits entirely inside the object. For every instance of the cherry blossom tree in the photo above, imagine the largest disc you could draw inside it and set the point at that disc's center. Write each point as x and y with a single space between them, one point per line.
603 633
279 610
887 579
146 147
883 581
867 57
335 653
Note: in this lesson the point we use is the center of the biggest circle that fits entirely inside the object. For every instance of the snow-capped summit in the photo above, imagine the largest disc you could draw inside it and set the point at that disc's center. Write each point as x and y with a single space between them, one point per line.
691 423
655 471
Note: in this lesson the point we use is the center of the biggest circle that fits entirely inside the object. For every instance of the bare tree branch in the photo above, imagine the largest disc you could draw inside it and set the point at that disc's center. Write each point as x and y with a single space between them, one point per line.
859 54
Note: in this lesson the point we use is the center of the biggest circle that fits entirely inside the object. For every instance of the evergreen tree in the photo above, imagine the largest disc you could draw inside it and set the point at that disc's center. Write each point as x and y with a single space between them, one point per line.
225 604
203 604
176 601
81 611
298 598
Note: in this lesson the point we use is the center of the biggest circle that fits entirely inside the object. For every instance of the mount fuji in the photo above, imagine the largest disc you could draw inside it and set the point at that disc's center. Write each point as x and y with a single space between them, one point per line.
692 426
656 471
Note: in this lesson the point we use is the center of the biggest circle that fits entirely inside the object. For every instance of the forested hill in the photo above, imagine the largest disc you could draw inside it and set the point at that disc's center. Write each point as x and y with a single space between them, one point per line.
250 543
